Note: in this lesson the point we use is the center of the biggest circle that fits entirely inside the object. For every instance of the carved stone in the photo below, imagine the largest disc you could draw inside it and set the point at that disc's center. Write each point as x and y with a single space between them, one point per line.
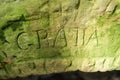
51 36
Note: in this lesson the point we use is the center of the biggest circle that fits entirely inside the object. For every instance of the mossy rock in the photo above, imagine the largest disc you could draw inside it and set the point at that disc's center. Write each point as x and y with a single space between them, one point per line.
51 36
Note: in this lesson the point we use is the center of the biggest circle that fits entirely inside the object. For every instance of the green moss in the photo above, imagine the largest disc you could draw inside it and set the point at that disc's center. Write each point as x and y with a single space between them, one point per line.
48 16
45 20
114 38
11 17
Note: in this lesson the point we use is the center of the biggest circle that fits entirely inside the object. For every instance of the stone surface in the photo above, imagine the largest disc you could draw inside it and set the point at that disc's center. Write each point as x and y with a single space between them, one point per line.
51 36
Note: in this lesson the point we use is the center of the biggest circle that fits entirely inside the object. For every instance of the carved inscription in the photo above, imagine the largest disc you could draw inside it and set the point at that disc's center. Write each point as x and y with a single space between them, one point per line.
41 34
59 40
17 41
38 37
83 37
60 37
91 35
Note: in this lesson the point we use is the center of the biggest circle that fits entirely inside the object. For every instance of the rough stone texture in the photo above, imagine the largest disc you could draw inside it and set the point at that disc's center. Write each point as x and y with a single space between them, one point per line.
51 36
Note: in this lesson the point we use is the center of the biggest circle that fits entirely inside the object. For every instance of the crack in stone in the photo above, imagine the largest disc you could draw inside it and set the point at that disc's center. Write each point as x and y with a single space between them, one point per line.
44 66
2 37
107 5
78 4
104 62
114 9
46 2
12 22
5 54
20 71
96 35
70 64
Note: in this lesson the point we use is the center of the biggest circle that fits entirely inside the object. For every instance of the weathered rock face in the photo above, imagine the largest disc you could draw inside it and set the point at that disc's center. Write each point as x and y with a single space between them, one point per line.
47 36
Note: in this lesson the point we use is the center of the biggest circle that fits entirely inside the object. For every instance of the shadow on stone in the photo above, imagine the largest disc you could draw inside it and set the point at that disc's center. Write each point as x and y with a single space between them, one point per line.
75 75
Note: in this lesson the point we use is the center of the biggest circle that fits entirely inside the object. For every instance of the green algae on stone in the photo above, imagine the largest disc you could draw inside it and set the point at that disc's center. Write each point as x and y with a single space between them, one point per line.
46 36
